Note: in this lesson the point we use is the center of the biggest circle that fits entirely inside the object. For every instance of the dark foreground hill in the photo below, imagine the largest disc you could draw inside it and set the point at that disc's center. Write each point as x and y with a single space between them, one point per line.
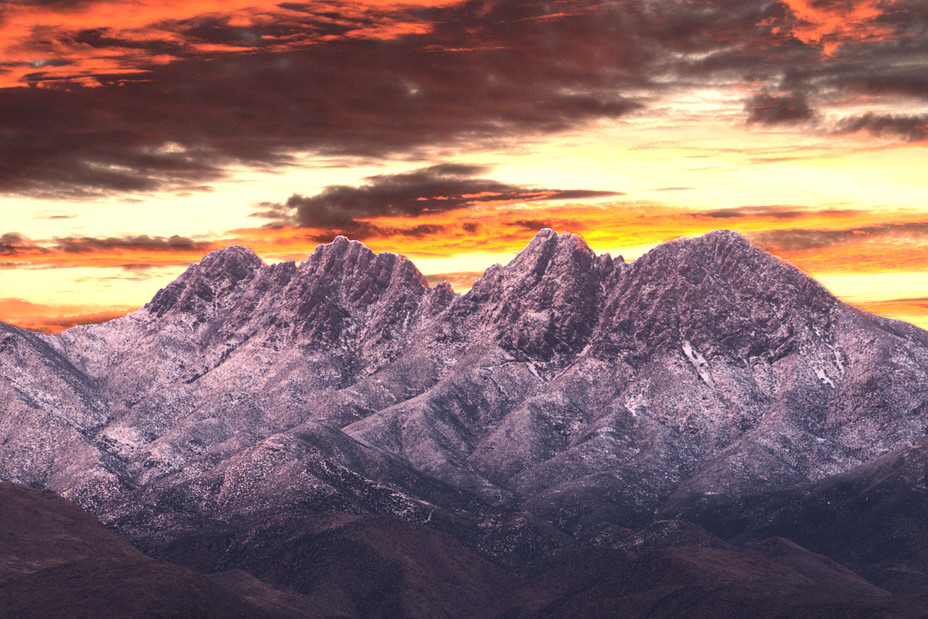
707 394
58 561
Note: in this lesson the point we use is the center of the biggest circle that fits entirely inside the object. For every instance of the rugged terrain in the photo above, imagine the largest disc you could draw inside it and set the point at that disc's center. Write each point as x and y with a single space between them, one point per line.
707 395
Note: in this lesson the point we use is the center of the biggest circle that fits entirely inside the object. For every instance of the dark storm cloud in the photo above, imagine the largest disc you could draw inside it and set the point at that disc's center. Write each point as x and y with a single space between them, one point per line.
218 30
436 189
802 239
768 109
72 143
910 127
891 63
308 80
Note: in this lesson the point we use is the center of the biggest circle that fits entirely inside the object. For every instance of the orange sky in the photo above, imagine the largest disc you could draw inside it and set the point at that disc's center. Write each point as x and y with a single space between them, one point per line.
136 136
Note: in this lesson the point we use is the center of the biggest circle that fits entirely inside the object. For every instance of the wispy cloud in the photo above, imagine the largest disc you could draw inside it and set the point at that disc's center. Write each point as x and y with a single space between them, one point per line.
353 210
17 250
50 318
912 127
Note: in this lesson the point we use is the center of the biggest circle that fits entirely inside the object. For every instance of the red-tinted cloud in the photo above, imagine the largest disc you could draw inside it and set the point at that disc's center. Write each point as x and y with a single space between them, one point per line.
832 23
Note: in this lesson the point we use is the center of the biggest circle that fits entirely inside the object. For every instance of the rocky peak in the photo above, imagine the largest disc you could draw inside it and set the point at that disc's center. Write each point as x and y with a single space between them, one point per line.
549 259
545 302
716 289
232 263
719 251
552 254
204 283
339 255
351 264
724 239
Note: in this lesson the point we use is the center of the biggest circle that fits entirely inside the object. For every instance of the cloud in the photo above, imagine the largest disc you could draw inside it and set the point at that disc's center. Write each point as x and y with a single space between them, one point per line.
432 190
740 212
793 240
140 243
129 252
768 109
910 127
831 23
13 243
529 224
775 211
173 99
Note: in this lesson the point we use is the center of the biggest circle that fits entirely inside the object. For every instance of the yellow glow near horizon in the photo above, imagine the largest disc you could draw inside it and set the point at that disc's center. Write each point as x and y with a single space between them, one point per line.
682 163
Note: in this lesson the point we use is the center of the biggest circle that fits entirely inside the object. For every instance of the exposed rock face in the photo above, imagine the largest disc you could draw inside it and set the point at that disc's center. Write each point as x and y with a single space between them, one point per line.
565 395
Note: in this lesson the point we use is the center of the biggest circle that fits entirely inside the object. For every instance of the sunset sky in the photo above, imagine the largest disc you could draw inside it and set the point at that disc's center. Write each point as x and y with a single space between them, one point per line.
135 136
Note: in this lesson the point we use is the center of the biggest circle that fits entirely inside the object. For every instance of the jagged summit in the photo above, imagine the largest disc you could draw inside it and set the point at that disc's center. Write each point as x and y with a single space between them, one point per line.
549 254
341 246
551 300
362 275
547 248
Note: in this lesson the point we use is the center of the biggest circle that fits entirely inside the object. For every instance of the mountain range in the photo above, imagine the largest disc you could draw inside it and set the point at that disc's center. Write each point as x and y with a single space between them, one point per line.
703 430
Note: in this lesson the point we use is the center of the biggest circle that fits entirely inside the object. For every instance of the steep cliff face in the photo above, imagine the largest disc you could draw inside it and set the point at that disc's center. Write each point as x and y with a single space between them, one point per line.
564 395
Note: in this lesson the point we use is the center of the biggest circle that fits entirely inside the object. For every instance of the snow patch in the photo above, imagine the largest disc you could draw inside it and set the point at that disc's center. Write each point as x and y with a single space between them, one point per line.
822 376
838 361
698 362
534 371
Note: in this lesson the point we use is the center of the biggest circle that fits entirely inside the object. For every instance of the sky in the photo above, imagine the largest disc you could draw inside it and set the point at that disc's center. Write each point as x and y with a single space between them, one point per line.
135 136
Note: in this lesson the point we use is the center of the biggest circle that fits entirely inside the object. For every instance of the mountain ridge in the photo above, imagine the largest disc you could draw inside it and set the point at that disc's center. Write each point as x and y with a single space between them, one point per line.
564 397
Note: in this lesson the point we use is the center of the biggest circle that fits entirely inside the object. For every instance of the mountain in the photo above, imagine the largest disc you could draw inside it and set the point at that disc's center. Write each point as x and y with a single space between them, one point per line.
568 400
57 561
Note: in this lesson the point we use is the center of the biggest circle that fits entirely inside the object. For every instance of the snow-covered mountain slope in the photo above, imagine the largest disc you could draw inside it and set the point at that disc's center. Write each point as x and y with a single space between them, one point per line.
564 394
